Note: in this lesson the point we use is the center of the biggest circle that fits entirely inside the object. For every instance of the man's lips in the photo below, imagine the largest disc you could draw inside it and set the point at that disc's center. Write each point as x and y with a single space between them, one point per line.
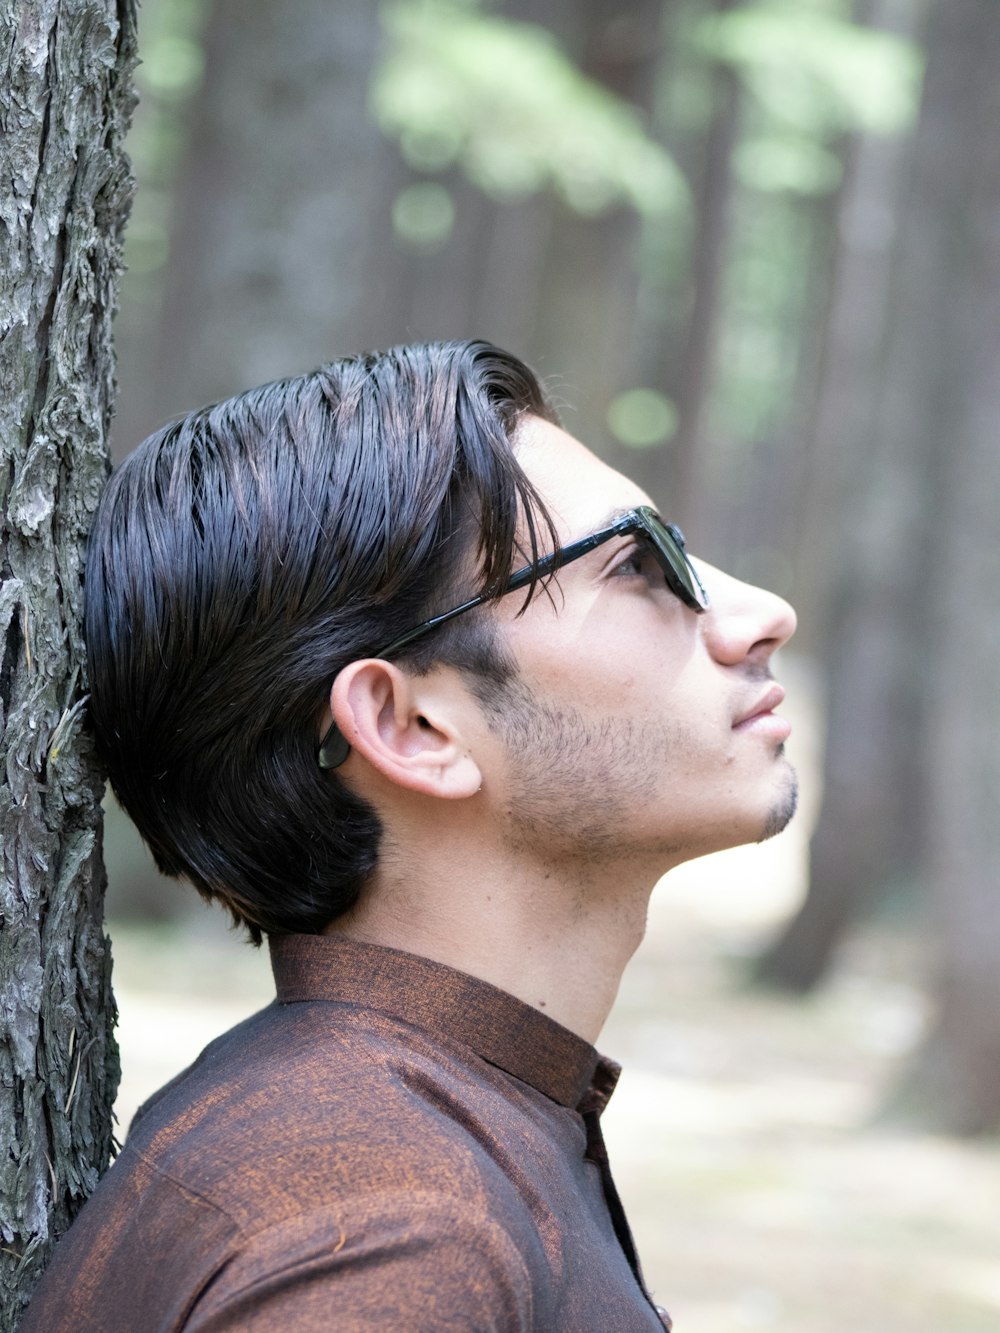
761 713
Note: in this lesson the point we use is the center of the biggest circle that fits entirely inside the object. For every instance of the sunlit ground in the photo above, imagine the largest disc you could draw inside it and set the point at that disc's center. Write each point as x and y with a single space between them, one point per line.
761 1192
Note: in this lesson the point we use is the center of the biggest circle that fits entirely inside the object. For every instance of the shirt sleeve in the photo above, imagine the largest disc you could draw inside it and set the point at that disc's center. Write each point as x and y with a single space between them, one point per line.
411 1262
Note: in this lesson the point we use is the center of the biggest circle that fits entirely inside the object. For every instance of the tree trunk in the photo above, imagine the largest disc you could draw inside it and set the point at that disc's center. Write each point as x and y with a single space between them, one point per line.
281 232
713 195
589 281
854 575
952 338
283 251
67 100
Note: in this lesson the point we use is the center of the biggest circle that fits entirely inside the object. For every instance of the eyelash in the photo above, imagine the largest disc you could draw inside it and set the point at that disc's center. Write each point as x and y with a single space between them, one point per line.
635 557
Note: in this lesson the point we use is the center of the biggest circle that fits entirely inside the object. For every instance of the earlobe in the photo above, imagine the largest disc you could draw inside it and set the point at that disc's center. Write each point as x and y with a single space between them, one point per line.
403 728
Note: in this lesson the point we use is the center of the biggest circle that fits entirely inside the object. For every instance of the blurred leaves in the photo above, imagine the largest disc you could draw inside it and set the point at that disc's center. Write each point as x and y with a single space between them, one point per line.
642 418
170 69
501 101
172 63
423 215
814 76
816 71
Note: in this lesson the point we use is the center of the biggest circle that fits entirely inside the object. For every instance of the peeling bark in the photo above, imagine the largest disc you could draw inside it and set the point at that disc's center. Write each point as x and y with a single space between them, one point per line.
65 102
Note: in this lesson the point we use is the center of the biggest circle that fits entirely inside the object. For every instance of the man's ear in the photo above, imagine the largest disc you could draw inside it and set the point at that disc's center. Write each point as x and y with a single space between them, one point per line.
408 728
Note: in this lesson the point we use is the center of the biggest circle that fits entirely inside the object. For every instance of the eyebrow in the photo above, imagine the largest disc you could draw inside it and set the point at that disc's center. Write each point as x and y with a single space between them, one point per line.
611 518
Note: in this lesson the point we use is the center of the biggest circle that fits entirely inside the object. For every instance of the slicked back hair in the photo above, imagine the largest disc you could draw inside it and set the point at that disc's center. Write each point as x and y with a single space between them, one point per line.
245 554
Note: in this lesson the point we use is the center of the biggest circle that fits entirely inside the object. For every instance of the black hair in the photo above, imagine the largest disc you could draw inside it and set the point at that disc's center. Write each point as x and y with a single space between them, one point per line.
244 554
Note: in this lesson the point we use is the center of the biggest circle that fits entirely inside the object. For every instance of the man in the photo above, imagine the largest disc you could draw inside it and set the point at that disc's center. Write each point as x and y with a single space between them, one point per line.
400 673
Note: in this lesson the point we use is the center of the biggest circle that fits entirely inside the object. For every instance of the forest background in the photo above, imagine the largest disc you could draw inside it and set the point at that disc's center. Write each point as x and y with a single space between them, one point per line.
753 248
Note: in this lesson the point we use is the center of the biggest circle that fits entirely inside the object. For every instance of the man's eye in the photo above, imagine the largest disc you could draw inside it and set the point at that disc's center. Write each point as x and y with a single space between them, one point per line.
637 562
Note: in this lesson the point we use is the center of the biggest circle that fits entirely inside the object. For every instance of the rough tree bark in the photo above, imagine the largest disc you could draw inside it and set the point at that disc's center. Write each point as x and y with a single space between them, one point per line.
65 101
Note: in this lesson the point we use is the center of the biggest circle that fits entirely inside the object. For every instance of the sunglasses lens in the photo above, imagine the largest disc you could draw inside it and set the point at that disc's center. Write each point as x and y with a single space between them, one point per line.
668 541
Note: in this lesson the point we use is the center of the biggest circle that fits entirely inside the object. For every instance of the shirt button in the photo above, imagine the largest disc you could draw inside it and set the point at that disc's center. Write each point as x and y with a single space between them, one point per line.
665 1319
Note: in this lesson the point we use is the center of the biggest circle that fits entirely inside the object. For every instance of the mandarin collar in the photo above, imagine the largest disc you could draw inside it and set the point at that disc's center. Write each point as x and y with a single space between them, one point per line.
501 1029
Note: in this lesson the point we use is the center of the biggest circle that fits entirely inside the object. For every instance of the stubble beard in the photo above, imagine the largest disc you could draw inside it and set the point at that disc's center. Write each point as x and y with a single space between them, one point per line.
576 785
573 782
782 812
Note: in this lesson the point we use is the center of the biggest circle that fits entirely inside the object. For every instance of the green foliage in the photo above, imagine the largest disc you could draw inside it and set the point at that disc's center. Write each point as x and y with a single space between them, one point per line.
169 72
174 60
813 75
501 101
423 215
816 71
642 418
778 256
788 162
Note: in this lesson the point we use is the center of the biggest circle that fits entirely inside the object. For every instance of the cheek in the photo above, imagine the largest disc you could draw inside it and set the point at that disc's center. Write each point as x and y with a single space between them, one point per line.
630 653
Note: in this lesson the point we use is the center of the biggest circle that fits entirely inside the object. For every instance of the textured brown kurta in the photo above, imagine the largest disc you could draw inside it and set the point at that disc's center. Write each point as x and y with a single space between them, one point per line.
391 1144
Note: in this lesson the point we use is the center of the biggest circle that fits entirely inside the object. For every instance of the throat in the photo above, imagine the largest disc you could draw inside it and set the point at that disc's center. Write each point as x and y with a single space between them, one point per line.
553 941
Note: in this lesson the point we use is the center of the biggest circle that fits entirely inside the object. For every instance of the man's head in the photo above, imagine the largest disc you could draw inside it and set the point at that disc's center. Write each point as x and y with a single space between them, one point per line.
254 578
246 553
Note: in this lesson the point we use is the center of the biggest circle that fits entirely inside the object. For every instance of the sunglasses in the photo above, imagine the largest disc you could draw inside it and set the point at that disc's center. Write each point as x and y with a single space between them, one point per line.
665 542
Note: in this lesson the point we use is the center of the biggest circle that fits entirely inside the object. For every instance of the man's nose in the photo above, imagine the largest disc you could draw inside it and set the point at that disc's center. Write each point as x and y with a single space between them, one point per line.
743 623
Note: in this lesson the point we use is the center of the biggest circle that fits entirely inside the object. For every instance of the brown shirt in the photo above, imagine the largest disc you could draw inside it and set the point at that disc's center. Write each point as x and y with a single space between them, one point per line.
391 1144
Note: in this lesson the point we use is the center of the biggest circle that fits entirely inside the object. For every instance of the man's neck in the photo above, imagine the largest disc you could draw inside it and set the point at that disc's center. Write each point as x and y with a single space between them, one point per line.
558 940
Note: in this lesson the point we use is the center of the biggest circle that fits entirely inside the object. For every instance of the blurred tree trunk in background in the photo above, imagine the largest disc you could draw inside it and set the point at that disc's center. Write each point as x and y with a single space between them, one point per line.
555 285
853 520
685 462
279 231
948 336
585 322
912 768
66 101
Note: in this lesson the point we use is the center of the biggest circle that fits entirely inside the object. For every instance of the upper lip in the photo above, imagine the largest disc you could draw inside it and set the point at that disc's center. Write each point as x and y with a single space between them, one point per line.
767 703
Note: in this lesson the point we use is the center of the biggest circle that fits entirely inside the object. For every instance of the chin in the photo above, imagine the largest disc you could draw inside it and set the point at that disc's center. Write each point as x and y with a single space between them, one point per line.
780 814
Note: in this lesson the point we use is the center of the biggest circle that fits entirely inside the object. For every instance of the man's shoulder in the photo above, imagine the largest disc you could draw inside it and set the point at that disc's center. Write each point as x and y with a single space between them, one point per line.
157 1247
309 1100
306 1123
